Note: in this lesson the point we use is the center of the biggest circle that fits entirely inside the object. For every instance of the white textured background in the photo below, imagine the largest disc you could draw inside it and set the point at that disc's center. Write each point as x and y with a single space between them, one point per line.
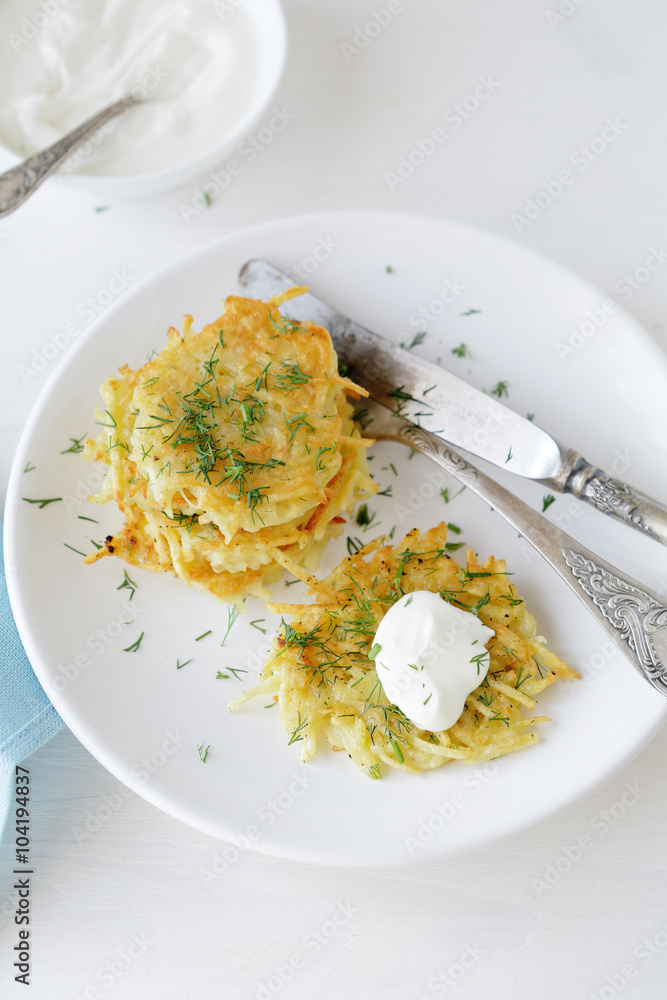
126 912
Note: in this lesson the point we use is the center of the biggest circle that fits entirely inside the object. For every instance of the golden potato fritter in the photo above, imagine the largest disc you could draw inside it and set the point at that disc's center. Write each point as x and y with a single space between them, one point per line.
232 454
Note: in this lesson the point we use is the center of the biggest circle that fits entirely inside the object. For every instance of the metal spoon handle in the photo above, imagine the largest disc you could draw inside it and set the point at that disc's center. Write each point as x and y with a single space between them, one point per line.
634 617
17 184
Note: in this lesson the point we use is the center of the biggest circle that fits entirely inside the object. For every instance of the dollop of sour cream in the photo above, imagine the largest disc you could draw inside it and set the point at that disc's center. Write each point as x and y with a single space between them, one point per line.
198 68
429 656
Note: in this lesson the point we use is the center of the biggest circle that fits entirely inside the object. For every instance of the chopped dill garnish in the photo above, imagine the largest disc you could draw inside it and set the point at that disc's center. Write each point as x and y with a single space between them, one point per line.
76 446
373 771
42 503
232 614
547 501
470 312
295 736
180 665
78 551
203 635
460 351
29 467
135 645
256 624
203 753
127 584
365 518
500 389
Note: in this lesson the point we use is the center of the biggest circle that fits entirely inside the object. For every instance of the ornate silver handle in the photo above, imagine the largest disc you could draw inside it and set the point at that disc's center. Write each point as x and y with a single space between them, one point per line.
17 184
610 495
634 617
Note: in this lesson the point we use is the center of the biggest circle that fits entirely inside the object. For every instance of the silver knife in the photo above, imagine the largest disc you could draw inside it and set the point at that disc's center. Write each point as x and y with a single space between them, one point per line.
429 396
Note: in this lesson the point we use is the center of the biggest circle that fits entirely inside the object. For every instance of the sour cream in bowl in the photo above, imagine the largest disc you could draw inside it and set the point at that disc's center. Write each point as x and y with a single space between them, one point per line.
207 68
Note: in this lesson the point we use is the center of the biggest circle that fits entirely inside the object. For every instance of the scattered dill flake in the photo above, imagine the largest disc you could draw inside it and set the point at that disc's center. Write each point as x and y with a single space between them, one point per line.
453 546
418 339
500 389
393 468
530 416
101 208
76 446
236 671
180 665
29 467
127 584
78 551
445 494
509 455
232 615
203 752
257 626
98 546
82 517
42 503
497 717
208 199
386 492
373 771
389 269
460 351
290 583
343 369
521 679
203 635
135 645
365 517
453 527
470 312
393 529
547 501
353 545
301 724
221 676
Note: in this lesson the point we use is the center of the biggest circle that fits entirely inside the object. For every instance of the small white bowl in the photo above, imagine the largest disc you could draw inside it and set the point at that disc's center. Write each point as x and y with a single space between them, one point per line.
269 33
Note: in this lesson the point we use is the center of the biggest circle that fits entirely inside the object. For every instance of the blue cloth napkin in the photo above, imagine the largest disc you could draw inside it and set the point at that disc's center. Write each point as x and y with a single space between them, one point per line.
27 717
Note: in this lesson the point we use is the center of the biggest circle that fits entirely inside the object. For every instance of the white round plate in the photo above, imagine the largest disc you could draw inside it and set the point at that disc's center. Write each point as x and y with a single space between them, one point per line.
589 374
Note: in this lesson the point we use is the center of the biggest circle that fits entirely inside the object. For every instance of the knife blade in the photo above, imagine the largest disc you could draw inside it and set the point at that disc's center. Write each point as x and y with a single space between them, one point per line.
429 396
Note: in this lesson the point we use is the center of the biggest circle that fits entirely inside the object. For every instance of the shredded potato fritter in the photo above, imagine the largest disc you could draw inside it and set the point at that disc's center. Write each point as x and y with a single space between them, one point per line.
232 454
326 685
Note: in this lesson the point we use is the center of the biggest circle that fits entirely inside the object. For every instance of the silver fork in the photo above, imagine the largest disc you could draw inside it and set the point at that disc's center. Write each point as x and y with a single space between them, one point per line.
634 617
17 184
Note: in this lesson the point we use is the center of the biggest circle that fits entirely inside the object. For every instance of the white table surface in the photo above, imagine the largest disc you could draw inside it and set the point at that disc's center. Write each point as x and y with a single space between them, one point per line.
127 912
